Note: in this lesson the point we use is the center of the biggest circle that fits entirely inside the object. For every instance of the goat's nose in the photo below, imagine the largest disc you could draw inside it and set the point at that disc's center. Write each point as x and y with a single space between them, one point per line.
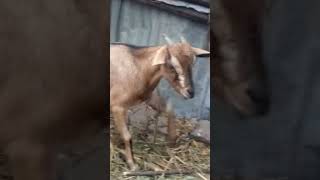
191 93
260 98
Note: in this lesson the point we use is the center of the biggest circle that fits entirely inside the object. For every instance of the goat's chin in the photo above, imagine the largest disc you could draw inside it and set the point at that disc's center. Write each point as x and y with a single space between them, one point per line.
185 94
186 98
245 107
249 110
242 103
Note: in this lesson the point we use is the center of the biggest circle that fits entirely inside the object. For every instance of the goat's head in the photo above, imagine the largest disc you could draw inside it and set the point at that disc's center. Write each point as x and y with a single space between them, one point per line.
176 60
239 75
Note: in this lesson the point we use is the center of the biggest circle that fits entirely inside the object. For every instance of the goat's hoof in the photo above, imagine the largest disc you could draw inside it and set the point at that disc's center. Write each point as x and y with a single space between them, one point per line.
172 145
171 142
133 167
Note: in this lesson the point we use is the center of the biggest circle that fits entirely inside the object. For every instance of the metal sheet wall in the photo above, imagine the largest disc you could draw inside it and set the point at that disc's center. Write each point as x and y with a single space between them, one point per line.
136 23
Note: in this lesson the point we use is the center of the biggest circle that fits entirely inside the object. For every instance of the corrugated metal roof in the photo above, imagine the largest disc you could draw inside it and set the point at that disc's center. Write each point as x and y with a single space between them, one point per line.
193 6
199 2
192 11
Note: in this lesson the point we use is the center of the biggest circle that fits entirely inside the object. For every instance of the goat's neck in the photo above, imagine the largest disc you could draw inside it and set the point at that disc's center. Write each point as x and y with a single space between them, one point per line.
155 78
152 74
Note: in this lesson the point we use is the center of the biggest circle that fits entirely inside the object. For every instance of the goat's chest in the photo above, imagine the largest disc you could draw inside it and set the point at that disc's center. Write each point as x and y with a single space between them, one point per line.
141 96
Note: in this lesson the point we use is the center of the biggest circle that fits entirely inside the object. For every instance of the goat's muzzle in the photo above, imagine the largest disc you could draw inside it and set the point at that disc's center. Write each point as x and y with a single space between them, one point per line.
187 93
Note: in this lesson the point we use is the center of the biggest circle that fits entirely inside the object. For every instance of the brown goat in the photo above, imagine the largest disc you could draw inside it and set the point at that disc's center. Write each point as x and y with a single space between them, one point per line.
238 73
136 71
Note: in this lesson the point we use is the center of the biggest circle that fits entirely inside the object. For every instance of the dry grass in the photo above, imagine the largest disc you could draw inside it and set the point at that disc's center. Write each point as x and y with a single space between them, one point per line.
154 155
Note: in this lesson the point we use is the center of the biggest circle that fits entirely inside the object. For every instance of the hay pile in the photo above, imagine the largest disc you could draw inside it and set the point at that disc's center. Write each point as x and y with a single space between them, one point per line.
153 154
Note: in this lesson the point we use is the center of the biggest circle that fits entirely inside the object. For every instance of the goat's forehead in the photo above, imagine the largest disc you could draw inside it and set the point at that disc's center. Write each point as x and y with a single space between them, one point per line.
183 52
182 48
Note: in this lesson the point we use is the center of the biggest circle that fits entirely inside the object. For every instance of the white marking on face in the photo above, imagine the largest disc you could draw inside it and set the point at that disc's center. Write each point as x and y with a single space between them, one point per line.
177 66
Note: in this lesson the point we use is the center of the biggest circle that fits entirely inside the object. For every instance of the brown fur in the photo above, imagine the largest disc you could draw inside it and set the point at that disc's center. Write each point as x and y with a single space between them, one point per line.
53 75
134 74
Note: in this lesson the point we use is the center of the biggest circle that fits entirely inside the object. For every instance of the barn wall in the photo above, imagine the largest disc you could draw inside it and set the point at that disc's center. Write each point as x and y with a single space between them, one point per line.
138 24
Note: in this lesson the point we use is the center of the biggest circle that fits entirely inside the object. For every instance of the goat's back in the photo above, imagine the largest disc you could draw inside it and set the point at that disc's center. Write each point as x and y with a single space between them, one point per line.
131 72
123 68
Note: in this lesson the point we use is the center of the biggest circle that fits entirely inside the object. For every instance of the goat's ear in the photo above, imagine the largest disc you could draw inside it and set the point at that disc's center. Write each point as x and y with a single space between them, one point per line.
200 52
161 56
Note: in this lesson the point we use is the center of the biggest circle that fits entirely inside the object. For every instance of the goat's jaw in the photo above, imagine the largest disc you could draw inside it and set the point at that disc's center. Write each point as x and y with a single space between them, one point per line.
185 93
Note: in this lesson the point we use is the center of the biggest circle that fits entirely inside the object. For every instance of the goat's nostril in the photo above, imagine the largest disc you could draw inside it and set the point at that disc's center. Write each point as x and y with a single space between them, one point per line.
258 96
260 99
191 93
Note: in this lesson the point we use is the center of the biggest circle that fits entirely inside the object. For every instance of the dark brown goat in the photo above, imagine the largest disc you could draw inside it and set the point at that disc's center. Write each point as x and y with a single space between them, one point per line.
239 77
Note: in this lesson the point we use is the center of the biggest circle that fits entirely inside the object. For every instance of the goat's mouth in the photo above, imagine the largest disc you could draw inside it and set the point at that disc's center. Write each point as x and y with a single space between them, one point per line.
245 104
251 108
187 93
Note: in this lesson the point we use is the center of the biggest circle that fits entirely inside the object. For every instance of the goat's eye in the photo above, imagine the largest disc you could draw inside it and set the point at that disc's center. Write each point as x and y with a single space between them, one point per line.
171 68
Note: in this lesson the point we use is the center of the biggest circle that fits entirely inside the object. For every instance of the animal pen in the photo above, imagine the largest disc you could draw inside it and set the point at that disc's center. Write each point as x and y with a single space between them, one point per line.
142 23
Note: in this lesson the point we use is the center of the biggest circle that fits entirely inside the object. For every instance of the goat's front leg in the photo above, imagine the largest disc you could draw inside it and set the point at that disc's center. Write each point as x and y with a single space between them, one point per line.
120 119
172 136
31 161
159 104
